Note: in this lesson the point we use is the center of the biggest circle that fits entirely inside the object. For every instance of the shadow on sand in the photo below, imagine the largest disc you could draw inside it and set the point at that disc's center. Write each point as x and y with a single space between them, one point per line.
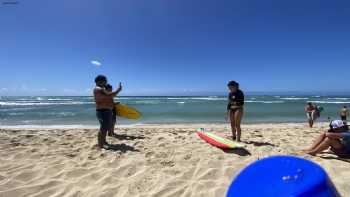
122 147
128 137
238 151
345 158
260 143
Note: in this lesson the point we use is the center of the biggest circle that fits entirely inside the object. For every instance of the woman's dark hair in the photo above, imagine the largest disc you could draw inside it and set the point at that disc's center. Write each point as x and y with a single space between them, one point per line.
233 83
100 78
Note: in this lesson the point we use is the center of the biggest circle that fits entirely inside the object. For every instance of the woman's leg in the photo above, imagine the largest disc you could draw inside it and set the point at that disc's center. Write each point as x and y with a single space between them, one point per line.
318 141
233 124
238 118
111 131
324 145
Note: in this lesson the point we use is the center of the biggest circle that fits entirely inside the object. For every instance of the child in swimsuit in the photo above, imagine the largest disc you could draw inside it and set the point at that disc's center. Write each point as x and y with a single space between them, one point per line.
111 133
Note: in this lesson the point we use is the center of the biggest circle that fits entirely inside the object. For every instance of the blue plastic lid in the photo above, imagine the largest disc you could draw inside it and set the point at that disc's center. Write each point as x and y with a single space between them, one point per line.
282 176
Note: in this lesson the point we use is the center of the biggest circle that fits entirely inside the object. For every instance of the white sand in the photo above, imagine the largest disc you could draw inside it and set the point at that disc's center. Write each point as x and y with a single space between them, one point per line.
156 160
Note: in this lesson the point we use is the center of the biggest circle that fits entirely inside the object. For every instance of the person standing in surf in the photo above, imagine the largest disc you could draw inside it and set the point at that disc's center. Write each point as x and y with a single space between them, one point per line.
235 109
310 110
104 108
344 113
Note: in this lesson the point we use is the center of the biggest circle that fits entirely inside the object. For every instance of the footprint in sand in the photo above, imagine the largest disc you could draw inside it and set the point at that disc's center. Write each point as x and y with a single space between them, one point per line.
71 155
187 156
167 163
161 138
149 154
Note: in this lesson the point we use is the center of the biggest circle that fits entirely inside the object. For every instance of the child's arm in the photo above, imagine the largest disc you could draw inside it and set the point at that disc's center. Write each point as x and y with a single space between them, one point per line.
113 94
120 87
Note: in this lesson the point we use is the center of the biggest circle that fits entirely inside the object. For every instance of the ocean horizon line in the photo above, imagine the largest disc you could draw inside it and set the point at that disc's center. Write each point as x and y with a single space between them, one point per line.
218 94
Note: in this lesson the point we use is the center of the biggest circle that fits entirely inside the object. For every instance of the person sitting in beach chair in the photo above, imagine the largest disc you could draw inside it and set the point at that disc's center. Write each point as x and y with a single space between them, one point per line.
337 138
104 108
111 133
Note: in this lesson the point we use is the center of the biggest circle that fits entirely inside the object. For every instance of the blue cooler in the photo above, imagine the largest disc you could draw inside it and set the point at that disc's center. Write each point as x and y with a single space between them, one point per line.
282 176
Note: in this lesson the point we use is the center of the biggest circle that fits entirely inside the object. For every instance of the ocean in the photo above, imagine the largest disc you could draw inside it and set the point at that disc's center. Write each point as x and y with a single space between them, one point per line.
80 110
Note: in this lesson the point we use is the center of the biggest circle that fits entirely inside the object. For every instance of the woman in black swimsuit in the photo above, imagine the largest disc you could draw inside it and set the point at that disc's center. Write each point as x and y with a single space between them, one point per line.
235 109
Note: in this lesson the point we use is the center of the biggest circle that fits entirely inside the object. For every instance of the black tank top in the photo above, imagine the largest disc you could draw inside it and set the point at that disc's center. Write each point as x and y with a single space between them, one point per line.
235 99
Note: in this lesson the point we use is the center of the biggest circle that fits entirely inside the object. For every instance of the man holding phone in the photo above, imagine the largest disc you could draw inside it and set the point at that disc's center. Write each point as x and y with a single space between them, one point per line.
104 108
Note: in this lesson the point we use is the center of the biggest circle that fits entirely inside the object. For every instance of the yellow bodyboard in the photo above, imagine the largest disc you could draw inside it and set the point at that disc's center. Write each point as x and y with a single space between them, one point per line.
127 112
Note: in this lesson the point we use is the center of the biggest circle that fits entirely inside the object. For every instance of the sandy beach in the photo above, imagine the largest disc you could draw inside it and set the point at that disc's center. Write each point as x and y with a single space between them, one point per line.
146 160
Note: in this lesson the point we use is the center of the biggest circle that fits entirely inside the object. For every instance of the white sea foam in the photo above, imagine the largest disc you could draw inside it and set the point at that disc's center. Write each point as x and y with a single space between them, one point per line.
198 98
16 114
181 102
173 98
41 103
294 98
330 102
59 99
266 102
60 114
148 102
338 98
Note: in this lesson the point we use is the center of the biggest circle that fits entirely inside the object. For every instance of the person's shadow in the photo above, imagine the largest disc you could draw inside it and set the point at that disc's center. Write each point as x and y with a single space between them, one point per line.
128 137
238 151
260 143
122 148
345 158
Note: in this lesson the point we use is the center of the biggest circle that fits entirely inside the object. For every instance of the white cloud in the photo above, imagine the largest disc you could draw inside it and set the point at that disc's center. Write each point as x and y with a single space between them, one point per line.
3 90
96 63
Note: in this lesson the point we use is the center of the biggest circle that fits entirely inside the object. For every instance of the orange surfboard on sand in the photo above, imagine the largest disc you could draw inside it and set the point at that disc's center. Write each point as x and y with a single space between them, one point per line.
217 140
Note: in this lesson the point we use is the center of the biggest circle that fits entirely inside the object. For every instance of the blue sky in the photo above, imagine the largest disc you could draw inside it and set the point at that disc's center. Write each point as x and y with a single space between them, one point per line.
174 47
